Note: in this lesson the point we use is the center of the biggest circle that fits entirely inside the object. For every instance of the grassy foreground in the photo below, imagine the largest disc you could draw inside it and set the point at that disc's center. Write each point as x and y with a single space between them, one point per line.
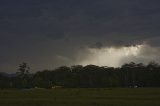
81 97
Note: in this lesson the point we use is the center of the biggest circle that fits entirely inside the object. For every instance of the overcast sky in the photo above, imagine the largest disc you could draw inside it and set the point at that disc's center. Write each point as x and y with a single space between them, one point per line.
51 33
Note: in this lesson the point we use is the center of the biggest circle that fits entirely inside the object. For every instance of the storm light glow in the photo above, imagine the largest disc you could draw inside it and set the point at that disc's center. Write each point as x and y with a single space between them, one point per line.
111 56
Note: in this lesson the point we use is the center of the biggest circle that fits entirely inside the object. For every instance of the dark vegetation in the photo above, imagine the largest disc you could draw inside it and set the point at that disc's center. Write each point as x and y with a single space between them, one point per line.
90 76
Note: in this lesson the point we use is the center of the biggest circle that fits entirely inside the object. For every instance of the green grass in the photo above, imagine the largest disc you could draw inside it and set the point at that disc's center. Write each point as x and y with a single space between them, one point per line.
81 97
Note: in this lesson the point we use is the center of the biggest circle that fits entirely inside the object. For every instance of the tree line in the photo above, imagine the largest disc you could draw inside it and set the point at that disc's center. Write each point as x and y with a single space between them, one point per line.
90 76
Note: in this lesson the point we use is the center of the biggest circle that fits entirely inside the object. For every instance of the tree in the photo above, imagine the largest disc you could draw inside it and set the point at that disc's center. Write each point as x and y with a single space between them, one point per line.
23 75
23 69
153 65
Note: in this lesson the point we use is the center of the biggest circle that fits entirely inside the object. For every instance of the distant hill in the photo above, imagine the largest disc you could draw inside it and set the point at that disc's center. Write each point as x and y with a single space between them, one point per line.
8 75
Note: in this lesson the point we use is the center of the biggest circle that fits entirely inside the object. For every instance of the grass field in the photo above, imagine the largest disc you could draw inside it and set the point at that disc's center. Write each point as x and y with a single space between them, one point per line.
81 97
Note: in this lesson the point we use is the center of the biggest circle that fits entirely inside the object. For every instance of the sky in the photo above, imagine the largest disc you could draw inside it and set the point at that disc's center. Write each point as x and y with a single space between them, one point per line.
50 33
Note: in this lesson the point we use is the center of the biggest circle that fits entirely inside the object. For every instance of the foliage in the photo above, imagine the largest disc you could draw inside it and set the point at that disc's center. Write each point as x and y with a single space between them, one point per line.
90 76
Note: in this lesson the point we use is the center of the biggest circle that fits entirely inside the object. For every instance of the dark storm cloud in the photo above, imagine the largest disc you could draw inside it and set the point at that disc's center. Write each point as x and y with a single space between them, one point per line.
50 33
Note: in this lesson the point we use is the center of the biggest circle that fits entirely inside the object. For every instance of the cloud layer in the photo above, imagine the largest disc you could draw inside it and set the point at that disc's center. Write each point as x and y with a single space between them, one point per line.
52 33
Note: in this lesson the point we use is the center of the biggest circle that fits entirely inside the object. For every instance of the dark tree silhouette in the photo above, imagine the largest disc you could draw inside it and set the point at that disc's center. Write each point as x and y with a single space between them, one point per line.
23 69
90 76
23 79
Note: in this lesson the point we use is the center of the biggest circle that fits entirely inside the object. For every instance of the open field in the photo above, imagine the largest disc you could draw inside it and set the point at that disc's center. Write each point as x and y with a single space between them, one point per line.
81 97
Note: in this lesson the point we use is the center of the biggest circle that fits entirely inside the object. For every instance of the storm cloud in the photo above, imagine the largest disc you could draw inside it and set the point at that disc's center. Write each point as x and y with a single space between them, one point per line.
51 33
